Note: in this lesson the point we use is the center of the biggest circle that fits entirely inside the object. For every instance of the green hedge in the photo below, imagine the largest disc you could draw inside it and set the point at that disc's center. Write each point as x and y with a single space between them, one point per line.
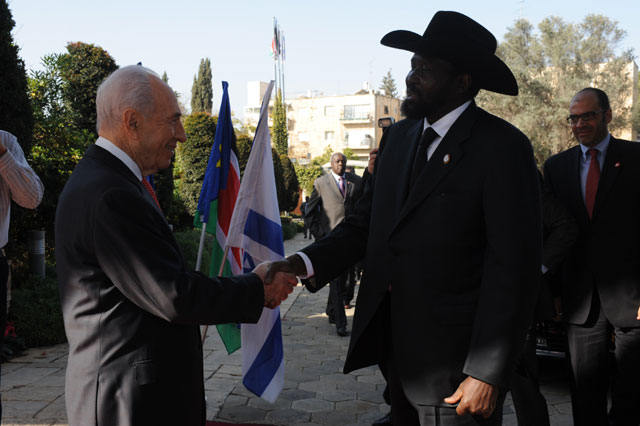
35 311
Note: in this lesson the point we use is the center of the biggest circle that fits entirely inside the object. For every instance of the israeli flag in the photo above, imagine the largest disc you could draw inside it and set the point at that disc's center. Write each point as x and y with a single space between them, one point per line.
256 228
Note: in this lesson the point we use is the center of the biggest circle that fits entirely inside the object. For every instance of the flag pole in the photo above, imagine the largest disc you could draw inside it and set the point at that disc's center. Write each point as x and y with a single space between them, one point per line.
224 260
201 246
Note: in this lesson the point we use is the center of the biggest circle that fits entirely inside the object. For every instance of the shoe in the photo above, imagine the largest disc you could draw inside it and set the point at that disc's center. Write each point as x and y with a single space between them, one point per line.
383 421
332 320
342 331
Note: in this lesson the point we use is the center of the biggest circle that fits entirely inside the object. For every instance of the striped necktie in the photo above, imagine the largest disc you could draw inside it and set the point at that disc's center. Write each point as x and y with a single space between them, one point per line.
151 192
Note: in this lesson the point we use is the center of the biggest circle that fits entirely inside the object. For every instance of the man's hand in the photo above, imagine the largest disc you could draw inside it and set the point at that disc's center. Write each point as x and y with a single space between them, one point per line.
277 286
372 159
474 396
292 264
638 317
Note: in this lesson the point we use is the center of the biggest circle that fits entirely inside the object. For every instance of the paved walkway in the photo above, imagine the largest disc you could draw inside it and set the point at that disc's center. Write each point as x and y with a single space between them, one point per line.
315 392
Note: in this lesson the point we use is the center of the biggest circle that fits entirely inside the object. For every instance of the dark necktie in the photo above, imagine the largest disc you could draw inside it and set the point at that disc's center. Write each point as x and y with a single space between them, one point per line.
593 176
428 136
341 185
151 192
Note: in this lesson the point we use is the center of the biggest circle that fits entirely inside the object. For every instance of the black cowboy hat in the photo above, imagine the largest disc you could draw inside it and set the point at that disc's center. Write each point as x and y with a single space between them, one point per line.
465 43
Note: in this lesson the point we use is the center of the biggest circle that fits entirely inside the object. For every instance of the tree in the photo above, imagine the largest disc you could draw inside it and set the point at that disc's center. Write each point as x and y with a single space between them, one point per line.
278 175
57 147
551 65
16 115
306 175
291 188
193 155
328 152
279 132
388 85
83 68
243 144
202 90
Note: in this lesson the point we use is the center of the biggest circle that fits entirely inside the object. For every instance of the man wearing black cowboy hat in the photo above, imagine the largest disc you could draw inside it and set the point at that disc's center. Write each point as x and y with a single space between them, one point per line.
449 225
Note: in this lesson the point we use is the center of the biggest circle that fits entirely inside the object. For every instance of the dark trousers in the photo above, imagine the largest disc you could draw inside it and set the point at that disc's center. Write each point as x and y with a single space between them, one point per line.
4 276
589 353
350 285
335 304
530 405
404 413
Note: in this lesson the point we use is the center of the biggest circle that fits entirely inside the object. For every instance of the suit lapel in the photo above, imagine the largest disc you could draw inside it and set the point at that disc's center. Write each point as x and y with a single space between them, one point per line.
443 160
333 186
610 170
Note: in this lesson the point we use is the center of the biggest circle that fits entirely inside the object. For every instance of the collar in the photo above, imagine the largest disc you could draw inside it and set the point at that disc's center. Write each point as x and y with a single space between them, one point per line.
601 147
336 177
120 155
445 122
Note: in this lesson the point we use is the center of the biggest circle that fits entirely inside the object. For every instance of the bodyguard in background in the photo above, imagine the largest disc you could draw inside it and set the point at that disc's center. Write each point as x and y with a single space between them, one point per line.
334 196
598 181
19 183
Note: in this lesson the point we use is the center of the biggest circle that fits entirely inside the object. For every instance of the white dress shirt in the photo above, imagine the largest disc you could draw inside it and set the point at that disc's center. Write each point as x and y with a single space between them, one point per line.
120 155
18 182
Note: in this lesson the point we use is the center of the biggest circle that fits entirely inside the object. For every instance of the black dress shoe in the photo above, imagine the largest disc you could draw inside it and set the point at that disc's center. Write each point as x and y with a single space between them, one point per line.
383 421
342 331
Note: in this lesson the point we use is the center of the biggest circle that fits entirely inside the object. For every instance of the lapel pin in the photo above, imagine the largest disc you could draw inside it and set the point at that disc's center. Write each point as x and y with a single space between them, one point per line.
617 165
446 159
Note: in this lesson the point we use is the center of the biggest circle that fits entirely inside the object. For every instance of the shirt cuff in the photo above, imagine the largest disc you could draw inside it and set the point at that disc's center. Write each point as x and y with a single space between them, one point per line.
307 264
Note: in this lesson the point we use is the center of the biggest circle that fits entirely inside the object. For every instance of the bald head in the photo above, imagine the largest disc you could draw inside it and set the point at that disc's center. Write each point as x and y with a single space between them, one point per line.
128 87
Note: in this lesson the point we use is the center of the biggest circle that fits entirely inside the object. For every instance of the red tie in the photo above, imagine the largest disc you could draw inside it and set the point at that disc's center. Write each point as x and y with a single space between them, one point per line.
593 176
151 192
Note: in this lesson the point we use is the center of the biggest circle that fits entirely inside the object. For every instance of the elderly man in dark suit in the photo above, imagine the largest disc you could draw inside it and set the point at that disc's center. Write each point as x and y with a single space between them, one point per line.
333 197
449 224
598 181
131 309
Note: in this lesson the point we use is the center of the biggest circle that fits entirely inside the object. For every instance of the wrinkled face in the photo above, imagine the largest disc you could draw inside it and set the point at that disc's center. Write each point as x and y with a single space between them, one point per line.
159 131
589 131
338 164
430 88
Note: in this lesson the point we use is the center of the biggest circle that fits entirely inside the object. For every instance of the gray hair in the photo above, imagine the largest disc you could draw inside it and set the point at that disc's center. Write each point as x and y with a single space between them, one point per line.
128 87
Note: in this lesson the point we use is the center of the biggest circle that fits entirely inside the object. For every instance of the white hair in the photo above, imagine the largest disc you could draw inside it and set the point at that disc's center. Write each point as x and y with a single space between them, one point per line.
128 87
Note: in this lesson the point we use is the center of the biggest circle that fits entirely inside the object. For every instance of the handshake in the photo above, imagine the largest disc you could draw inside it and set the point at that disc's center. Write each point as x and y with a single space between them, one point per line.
279 278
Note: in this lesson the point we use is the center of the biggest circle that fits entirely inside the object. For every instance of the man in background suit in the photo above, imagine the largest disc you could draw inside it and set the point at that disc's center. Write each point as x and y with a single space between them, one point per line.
450 225
333 197
131 310
598 181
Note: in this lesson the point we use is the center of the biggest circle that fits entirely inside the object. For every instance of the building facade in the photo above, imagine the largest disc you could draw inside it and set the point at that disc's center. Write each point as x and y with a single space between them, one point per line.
316 122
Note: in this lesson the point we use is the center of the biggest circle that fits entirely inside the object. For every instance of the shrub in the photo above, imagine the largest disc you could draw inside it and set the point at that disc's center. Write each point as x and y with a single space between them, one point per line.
36 312
189 242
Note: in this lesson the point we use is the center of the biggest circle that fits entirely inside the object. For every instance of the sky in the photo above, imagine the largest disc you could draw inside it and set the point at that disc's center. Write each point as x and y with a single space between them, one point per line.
332 46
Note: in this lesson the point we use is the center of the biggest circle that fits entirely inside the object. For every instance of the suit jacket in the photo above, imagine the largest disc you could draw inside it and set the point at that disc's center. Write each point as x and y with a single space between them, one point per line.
131 310
327 207
460 251
607 253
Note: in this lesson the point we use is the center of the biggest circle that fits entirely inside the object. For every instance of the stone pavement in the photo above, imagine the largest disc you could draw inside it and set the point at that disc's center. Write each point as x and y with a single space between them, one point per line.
315 392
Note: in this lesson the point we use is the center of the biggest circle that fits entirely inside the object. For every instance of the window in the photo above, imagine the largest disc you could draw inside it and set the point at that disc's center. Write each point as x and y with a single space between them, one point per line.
356 112
386 109
329 110
328 135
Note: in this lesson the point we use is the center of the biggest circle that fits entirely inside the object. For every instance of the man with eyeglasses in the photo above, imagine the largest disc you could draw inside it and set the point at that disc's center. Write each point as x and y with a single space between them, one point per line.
598 181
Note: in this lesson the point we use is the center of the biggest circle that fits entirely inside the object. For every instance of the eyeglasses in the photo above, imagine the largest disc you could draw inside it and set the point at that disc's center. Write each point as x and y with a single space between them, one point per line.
587 116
